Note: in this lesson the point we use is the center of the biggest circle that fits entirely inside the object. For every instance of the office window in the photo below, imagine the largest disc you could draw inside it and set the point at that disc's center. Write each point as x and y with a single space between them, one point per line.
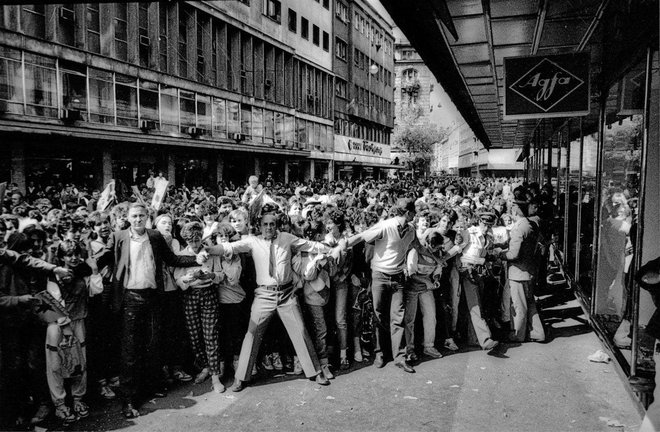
257 125
340 49
326 4
246 120
149 102
219 118
316 39
304 28
293 21
341 10
126 100
183 44
93 28
233 117
187 110
40 86
73 77
33 20
162 36
143 29
102 97
326 41
356 21
204 112
341 88
121 31
169 108
66 24
11 79
273 10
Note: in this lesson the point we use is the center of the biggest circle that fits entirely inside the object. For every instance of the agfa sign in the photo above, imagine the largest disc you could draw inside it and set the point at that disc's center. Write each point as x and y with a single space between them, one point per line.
546 86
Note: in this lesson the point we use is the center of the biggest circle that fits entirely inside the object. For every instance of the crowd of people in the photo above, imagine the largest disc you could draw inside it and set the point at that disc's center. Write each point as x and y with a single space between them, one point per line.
123 300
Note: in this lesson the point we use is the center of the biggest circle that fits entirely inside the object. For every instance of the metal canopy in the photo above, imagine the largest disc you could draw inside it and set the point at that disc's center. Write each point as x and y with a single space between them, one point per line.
470 66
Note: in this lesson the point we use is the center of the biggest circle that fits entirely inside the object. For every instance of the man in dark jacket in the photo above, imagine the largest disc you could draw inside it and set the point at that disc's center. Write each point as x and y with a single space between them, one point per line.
138 255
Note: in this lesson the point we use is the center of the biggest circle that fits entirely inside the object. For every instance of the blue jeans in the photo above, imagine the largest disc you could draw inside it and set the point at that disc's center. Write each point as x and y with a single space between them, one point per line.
387 292
316 320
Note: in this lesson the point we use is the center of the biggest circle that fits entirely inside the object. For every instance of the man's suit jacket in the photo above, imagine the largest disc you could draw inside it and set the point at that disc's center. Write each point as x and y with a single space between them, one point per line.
117 252
521 254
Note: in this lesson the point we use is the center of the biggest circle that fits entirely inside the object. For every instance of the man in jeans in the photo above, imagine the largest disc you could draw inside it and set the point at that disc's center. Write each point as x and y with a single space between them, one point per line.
392 239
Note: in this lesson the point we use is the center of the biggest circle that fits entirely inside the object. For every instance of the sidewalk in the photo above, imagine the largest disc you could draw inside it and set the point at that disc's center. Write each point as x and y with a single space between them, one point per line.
522 387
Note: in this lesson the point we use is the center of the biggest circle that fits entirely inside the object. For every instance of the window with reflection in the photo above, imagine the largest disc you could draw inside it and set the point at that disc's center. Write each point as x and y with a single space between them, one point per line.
301 133
126 100
269 126
650 248
246 120
620 186
101 97
11 79
40 86
257 125
233 117
169 108
204 112
219 118
187 110
279 127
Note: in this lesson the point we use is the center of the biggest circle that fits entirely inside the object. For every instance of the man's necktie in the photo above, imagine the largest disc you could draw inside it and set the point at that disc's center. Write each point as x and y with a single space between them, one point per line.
272 265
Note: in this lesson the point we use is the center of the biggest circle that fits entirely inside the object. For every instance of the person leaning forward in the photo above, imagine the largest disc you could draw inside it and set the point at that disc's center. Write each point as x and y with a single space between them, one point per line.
272 252
138 255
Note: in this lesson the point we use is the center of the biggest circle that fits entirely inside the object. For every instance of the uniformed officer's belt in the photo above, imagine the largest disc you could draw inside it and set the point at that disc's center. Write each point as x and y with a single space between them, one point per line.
277 287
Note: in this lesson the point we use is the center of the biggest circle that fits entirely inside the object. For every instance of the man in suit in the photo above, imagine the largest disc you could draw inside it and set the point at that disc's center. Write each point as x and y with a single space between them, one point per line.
138 255
522 267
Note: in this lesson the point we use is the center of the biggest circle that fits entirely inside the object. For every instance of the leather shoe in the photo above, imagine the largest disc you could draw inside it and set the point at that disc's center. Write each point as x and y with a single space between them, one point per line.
378 361
129 411
322 380
404 366
238 386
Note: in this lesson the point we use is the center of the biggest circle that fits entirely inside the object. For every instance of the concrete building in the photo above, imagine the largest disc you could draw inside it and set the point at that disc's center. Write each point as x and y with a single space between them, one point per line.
364 83
203 91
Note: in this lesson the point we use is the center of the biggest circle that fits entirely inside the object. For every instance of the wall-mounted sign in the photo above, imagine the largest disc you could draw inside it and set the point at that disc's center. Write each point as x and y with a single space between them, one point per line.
358 150
546 86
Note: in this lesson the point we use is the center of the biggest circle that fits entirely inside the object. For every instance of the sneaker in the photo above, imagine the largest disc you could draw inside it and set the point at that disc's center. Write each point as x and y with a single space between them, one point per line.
218 387
297 367
106 392
277 362
357 356
80 408
450 344
63 413
42 413
181 376
432 352
267 362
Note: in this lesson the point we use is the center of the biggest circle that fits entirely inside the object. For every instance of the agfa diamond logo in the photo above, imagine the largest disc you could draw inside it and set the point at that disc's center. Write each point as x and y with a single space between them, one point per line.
546 84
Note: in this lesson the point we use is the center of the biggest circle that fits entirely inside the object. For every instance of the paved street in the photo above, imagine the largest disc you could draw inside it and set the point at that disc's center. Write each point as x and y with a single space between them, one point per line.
540 387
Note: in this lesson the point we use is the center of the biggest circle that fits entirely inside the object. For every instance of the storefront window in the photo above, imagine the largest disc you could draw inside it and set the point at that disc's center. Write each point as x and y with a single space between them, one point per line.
11 79
219 118
74 87
257 125
233 117
40 86
204 112
101 97
149 102
620 185
126 97
571 242
589 158
169 106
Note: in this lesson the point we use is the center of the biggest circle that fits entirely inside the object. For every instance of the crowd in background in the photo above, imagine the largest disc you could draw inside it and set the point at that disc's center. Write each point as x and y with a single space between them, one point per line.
415 268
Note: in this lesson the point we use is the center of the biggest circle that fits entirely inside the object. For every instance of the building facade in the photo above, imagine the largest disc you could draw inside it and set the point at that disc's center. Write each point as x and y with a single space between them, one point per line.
203 91
364 84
